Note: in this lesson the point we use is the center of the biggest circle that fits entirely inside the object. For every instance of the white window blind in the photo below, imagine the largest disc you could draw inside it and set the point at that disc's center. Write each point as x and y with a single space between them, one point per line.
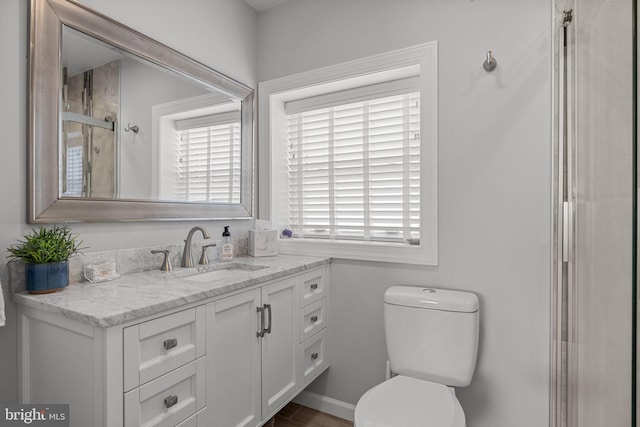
354 163
74 175
209 154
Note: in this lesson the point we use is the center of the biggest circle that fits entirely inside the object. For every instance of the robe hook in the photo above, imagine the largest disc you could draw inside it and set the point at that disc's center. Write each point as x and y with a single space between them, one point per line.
130 128
490 63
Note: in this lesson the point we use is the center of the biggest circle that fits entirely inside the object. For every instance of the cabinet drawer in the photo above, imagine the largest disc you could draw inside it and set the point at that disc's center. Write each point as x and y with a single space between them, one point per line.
313 286
314 357
168 400
197 420
153 348
313 319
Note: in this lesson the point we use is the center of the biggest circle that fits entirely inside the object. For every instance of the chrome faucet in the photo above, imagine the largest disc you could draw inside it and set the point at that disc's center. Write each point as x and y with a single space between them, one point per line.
187 261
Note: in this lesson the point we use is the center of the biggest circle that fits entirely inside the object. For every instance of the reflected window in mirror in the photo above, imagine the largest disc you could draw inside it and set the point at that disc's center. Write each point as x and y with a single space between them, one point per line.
200 155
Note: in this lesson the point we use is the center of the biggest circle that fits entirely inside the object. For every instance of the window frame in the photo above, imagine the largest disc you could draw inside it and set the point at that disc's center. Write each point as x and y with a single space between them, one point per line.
418 60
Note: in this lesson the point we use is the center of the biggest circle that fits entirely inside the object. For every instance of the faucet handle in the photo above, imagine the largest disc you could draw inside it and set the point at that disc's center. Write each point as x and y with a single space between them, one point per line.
166 264
203 258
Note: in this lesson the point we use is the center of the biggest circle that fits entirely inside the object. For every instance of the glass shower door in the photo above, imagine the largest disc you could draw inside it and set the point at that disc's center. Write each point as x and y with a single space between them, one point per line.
594 267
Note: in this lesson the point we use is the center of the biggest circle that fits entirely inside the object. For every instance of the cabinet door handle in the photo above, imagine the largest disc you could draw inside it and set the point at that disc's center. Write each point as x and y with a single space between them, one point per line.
169 401
170 343
267 307
314 286
314 356
260 332
314 319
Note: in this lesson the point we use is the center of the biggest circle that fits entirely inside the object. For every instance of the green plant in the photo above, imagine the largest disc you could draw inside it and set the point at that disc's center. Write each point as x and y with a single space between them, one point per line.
46 245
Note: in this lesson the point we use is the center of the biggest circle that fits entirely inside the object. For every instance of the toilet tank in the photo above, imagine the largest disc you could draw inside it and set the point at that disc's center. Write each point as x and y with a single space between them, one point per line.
432 334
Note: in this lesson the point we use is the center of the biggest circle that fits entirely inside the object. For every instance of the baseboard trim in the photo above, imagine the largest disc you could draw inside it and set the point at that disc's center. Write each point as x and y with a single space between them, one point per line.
326 404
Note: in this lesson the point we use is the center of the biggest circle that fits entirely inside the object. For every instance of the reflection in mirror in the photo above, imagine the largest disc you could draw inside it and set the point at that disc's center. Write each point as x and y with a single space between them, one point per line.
123 128
133 130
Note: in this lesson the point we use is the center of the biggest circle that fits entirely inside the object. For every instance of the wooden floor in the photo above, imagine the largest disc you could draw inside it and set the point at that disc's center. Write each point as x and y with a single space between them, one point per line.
294 415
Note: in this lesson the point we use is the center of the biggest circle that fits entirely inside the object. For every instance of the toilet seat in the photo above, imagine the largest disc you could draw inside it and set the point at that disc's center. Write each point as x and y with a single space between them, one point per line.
409 402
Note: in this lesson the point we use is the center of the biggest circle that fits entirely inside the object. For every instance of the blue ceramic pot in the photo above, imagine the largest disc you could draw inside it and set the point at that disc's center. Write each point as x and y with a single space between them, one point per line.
45 278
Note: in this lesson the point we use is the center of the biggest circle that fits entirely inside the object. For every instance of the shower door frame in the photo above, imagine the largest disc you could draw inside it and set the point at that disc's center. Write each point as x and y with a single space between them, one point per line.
562 224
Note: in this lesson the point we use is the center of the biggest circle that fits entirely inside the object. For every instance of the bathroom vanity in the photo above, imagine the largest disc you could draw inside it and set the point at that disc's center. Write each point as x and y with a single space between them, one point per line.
217 345
208 347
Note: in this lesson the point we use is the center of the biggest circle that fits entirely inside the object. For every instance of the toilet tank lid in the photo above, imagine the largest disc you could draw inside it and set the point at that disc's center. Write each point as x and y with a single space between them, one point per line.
432 299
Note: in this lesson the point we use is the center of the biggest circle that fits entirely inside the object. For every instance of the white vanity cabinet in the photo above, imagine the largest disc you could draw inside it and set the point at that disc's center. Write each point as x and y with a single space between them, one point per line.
164 367
231 360
264 347
312 351
252 345
148 374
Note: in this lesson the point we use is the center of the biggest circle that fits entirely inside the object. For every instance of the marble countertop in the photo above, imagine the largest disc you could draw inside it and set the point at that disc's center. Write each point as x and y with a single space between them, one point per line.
137 295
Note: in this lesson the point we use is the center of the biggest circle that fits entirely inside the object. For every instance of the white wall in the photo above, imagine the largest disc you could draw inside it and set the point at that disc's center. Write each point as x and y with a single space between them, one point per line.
13 199
494 186
494 159
226 40
220 33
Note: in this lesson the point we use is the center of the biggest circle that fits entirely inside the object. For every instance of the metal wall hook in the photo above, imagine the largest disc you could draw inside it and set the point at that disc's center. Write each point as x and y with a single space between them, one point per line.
490 63
130 128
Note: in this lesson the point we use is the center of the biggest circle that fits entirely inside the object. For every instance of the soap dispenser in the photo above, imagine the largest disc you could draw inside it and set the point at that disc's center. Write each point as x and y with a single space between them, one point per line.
226 249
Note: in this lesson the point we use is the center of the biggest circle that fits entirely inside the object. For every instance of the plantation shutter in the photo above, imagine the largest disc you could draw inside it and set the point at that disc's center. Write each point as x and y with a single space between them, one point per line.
209 154
354 163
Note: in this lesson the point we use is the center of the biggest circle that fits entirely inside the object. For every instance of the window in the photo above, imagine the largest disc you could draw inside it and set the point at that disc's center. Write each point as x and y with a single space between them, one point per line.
354 167
208 152
352 158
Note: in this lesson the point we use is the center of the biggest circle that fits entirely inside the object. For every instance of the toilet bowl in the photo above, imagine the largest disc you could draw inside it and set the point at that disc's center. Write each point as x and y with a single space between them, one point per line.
409 402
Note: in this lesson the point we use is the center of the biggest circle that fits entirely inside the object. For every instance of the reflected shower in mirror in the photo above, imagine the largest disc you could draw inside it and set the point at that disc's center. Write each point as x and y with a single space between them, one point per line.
133 130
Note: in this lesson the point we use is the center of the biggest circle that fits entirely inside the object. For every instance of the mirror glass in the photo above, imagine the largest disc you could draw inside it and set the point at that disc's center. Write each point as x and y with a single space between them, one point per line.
125 128
133 130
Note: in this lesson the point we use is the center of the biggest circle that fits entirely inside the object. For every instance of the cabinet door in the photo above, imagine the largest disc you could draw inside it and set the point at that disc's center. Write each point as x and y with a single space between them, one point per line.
279 344
233 352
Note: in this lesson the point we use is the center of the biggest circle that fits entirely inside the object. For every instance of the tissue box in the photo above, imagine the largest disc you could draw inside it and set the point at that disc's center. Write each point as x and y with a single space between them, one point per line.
263 243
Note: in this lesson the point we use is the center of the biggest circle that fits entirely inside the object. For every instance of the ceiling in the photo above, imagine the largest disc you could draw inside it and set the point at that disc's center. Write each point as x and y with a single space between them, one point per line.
262 5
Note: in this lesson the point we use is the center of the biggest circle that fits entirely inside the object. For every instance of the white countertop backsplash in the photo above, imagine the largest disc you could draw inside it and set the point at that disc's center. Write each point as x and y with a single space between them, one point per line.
127 260
143 289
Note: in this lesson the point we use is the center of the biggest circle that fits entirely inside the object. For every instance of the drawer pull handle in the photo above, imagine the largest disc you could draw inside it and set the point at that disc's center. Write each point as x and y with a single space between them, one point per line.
169 401
314 286
314 356
170 343
314 319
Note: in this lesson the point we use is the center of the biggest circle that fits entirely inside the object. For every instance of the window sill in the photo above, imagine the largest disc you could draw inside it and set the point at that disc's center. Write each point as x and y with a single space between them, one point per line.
360 251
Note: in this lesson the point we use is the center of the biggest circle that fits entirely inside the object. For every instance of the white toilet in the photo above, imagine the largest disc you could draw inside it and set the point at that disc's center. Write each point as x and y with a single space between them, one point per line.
432 341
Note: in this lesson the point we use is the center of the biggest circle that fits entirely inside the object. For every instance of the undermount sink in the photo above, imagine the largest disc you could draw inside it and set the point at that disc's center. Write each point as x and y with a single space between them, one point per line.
218 271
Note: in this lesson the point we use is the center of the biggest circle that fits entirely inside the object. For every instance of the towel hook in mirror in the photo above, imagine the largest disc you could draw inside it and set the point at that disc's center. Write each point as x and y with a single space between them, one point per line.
130 128
490 63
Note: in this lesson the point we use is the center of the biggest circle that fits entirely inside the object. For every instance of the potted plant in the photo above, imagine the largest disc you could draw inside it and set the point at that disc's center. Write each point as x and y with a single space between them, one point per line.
45 253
